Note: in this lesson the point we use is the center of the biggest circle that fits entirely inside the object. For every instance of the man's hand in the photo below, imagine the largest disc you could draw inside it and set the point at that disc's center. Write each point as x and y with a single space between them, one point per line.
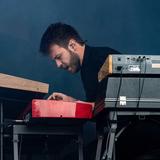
61 96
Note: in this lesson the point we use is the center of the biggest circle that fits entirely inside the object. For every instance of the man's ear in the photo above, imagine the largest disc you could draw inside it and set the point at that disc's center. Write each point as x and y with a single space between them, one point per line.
72 45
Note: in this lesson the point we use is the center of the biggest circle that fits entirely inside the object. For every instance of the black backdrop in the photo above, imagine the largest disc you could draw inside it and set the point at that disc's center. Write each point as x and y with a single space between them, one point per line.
130 26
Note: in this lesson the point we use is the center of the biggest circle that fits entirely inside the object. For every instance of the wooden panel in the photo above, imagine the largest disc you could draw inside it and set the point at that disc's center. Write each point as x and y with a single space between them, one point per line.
106 68
13 82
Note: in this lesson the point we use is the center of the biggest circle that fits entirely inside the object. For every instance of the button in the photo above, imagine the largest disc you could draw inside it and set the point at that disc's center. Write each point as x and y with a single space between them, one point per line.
119 68
119 58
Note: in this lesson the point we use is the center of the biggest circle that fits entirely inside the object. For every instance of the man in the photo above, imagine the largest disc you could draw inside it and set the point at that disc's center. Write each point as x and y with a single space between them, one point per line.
65 46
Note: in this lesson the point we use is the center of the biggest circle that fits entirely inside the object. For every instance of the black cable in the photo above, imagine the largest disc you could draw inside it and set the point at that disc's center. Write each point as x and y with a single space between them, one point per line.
141 87
139 84
118 93
114 113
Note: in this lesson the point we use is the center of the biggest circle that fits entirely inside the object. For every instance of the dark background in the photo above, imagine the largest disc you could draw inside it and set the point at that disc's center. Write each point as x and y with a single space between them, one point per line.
129 26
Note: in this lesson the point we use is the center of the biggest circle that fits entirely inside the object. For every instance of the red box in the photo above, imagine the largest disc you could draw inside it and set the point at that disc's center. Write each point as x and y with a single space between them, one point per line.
61 109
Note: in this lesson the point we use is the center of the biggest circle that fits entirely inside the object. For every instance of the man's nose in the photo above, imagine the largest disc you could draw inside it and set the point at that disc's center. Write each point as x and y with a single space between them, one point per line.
58 63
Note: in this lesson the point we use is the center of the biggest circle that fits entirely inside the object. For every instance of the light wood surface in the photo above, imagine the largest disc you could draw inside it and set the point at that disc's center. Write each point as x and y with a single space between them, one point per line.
106 68
13 82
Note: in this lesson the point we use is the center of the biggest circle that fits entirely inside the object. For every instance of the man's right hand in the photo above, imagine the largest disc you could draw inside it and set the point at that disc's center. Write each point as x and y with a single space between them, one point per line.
61 96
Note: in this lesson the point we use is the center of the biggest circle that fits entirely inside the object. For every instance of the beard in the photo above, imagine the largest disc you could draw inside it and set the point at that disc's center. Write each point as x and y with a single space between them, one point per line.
74 62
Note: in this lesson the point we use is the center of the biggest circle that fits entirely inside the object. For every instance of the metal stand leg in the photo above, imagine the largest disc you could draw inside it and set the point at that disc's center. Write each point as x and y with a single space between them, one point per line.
47 130
111 146
80 147
1 129
114 152
99 147
15 146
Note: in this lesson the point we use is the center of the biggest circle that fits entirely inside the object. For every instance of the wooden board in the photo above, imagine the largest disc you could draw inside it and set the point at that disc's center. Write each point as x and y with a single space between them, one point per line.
16 93
13 82
106 68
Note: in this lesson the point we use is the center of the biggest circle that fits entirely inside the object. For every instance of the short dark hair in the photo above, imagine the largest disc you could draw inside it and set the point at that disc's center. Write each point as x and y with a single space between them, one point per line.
60 34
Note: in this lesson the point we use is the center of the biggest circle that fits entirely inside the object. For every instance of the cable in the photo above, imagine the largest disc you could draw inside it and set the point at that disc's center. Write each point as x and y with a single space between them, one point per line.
114 115
118 93
141 87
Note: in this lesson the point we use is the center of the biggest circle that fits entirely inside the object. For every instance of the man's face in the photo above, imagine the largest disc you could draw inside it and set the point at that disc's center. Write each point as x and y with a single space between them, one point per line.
65 58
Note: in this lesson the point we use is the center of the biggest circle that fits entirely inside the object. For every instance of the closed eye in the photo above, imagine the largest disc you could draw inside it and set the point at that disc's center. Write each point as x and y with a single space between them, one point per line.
58 56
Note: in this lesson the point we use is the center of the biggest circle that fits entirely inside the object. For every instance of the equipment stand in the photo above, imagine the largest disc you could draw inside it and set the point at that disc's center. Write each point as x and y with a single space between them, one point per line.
46 130
110 147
